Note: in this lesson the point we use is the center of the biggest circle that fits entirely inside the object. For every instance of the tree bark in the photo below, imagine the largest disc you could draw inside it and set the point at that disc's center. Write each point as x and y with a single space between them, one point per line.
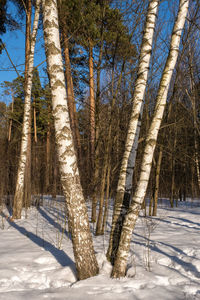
92 104
156 190
70 96
126 173
19 192
107 151
119 268
27 179
84 255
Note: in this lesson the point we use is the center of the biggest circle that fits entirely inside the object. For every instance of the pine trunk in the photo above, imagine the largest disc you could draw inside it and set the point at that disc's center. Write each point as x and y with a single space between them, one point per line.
92 104
156 190
84 255
70 97
119 269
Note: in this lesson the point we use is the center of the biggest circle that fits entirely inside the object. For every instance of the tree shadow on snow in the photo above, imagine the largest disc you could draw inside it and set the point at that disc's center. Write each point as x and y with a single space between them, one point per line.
187 266
186 220
180 224
53 222
62 258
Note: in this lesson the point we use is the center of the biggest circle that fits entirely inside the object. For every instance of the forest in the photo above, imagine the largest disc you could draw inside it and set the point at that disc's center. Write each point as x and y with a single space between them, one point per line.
109 117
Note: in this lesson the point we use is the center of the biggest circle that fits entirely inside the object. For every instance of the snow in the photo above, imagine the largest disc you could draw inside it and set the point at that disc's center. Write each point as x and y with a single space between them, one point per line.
36 257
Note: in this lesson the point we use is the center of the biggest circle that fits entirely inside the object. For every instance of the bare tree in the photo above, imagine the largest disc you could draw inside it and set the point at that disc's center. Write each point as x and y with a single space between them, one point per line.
19 192
85 259
119 268
126 173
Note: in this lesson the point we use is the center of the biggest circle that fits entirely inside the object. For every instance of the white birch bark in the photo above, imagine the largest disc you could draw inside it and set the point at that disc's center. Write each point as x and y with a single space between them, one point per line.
119 268
18 198
128 161
85 259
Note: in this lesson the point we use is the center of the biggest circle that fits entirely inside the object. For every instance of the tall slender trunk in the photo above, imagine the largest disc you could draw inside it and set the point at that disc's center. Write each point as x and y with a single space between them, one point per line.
95 167
194 112
27 179
92 104
18 198
10 121
119 268
35 121
107 151
48 136
128 161
70 97
107 198
156 190
84 255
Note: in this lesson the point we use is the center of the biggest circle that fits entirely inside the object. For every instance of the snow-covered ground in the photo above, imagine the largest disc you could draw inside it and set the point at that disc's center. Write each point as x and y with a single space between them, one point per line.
36 258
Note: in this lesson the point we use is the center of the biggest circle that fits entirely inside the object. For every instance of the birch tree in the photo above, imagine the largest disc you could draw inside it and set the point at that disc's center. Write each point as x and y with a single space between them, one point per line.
126 173
119 268
18 198
84 255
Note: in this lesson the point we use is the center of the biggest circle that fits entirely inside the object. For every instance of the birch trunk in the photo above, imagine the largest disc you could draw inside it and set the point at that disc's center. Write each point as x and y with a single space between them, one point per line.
128 161
119 268
27 178
18 198
84 255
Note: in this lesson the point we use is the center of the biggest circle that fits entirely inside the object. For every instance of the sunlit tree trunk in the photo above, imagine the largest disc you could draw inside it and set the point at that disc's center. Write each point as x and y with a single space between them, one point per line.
27 178
34 121
70 96
19 192
84 255
92 103
156 189
119 268
128 161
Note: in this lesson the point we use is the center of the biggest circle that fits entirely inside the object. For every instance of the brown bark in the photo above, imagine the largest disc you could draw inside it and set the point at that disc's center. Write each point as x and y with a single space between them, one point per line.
156 190
70 96
92 104
35 122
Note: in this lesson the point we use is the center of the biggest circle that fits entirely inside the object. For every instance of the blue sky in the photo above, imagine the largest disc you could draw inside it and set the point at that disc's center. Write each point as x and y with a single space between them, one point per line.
15 44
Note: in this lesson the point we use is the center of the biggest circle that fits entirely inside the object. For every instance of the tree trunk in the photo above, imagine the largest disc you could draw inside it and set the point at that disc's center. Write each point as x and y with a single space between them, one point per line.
92 104
27 179
18 198
10 121
126 173
48 136
156 190
70 97
84 255
95 163
107 199
119 268
108 146
35 122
